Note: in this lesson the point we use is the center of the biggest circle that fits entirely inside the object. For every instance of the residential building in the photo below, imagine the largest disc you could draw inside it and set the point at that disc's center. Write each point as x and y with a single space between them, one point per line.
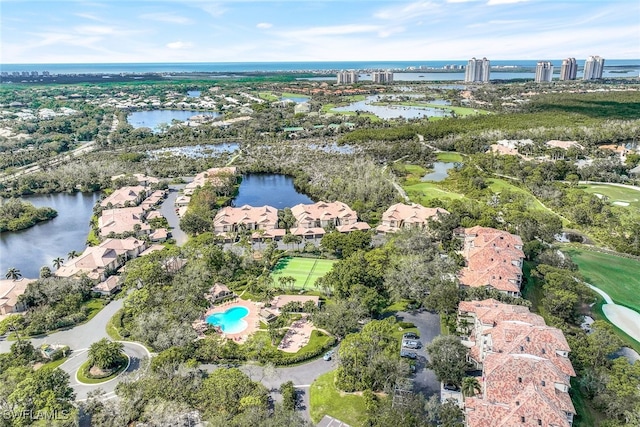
544 72
119 221
382 77
569 69
525 365
230 219
593 68
493 258
97 261
218 177
10 290
108 287
125 197
478 70
347 77
401 216
323 214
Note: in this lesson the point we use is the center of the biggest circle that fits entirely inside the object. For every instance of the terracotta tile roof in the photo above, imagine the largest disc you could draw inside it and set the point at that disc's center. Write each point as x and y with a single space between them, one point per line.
123 195
528 408
336 212
362 226
401 215
506 375
212 175
121 220
265 217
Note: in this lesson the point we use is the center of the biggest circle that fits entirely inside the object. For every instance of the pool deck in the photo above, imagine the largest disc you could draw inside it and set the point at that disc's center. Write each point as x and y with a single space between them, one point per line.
252 319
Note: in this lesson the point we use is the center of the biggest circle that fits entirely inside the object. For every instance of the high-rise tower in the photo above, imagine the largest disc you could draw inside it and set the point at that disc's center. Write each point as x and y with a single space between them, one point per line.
569 69
478 70
544 71
593 68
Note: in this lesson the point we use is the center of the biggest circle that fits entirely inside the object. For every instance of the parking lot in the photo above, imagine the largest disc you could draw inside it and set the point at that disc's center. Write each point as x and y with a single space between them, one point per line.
428 324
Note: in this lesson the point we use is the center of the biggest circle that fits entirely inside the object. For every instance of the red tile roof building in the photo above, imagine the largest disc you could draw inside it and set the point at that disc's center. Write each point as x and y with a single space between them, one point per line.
525 366
494 258
401 216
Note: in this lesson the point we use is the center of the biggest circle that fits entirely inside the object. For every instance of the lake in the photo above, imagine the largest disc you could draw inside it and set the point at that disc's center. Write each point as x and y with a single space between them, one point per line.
296 99
194 151
153 119
392 111
440 171
259 189
30 249
193 93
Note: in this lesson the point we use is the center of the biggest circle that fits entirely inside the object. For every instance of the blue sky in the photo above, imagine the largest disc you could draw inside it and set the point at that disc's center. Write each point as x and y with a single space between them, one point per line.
308 30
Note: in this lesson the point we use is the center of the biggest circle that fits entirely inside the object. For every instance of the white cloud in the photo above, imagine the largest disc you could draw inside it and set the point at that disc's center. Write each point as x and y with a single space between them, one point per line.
264 25
98 30
461 1
408 11
179 45
88 16
166 17
214 9
336 30
497 2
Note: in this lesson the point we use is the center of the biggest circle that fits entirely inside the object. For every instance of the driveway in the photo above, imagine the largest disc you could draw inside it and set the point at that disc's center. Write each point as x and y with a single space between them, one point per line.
136 352
424 380
79 337
168 210
301 375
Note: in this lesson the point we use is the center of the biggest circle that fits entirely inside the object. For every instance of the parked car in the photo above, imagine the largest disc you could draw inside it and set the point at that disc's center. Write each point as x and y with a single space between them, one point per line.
411 344
451 387
328 355
410 336
408 354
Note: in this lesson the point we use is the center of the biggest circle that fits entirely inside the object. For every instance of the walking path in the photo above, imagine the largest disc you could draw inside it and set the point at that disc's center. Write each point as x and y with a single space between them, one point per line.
623 317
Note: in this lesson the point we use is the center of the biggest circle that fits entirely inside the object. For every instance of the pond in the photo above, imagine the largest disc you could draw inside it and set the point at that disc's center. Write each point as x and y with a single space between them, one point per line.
194 151
193 93
440 171
296 99
155 119
30 249
392 111
259 189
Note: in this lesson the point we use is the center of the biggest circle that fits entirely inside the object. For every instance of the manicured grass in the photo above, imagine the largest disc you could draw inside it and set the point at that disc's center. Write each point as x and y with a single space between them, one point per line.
325 399
268 96
460 111
599 315
617 276
84 369
305 270
618 196
55 363
94 306
294 95
450 157
422 192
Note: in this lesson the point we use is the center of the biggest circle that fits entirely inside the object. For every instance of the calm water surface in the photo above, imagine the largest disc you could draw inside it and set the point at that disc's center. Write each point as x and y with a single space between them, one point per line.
193 94
30 249
440 171
269 189
153 119
194 151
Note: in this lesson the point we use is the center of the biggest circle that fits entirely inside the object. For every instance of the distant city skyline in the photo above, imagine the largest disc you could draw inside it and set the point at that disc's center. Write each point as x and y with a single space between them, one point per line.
347 30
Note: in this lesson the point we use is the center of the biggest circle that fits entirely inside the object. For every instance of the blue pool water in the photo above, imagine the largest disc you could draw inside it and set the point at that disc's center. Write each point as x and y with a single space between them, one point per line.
230 321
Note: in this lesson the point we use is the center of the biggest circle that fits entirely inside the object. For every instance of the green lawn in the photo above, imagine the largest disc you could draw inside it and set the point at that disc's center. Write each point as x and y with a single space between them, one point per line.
617 276
305 270
422 192
450 156
84 370
618 196
325 399
268 96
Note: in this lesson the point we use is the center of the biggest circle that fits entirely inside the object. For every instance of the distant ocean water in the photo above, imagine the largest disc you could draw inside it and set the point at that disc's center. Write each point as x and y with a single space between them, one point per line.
237 67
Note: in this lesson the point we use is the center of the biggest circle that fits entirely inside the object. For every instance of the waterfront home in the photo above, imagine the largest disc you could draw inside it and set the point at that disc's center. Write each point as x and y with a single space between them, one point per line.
125 197
327 214
401 216
123 220
218 292
217 177
10 290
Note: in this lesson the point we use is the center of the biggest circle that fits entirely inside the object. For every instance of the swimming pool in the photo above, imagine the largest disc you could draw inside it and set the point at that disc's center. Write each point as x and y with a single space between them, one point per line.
230 322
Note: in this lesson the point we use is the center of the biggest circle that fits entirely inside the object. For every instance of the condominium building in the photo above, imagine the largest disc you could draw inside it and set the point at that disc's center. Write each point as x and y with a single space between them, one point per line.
593 68
569 69
478 70
347 77
544 71
382 77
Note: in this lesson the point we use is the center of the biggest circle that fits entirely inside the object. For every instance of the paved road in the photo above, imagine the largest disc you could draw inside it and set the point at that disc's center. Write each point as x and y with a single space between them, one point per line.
79 337
137 354
428 324
168 210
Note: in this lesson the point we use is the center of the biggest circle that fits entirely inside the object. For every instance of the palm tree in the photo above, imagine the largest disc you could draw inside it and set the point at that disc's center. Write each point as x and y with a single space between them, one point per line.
470 386
57 262
72 254
45 272
105 354
13 274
